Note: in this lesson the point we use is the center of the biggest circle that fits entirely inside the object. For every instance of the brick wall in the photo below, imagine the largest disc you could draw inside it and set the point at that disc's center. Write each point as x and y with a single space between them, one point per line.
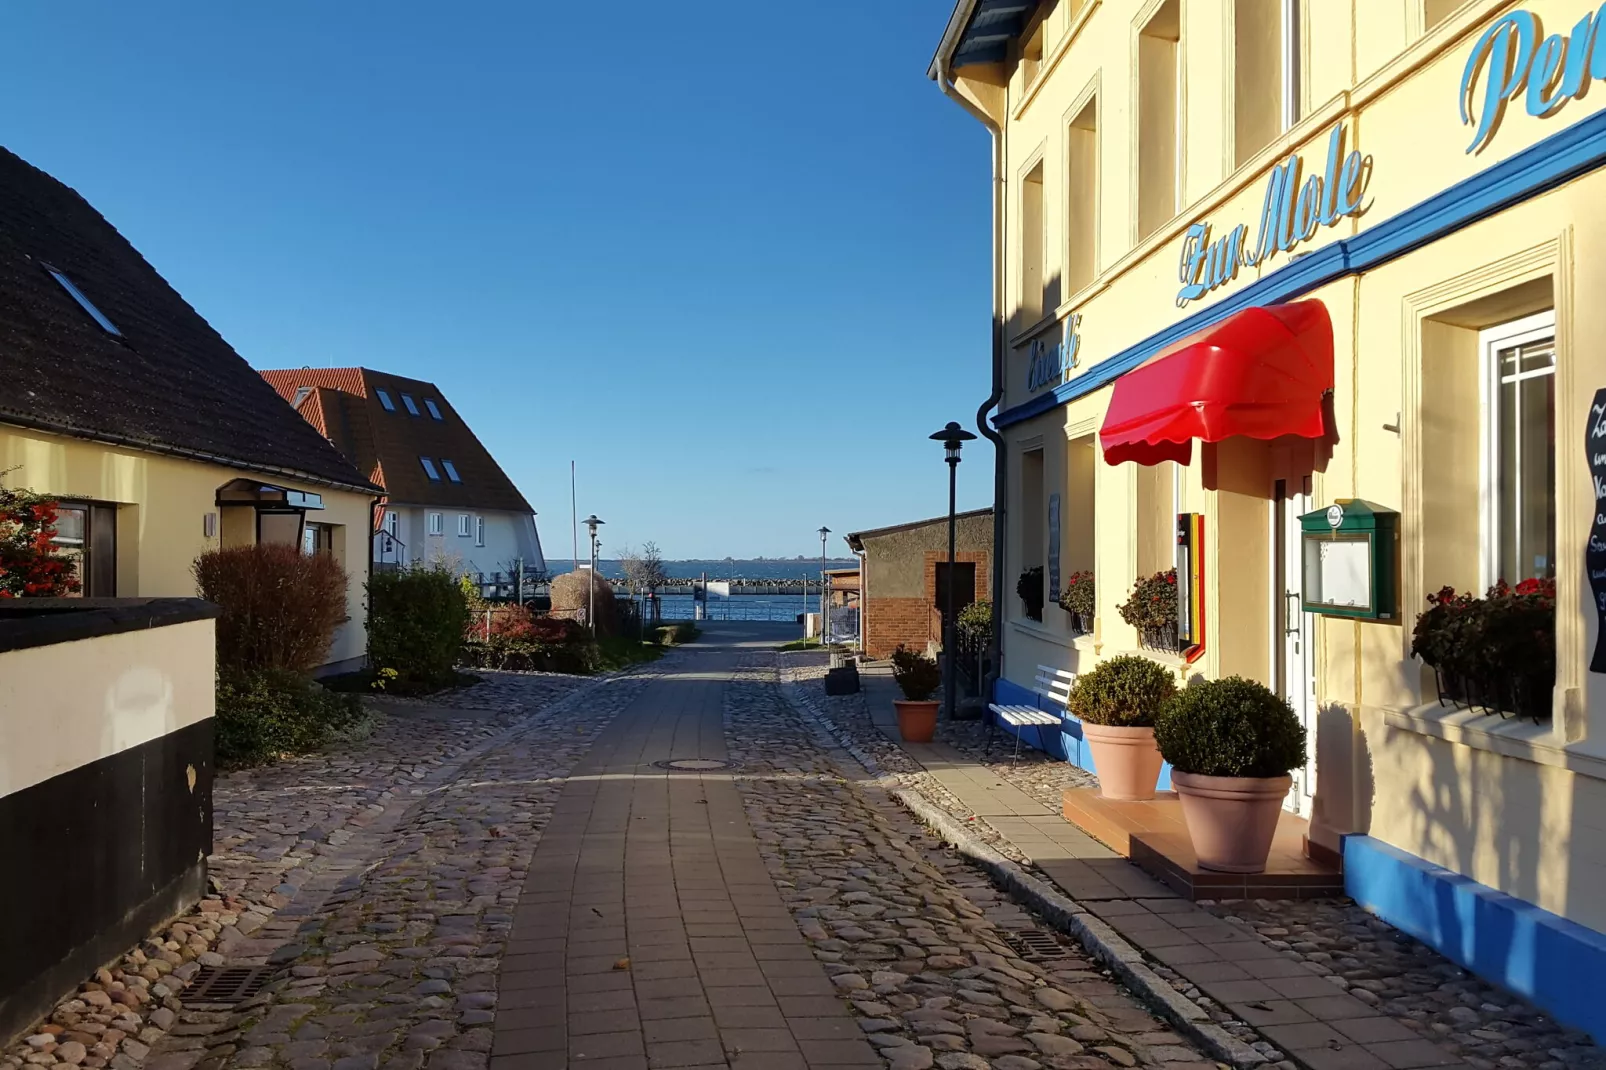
914 622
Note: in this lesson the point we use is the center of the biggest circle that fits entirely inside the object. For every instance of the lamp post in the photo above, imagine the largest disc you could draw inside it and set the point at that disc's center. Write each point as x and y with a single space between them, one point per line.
952 437
824 532
592 524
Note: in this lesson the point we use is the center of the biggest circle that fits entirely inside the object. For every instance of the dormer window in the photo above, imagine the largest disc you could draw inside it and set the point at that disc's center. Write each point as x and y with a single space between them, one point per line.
451 471
412 406
430 470
85 303
434 410
384 399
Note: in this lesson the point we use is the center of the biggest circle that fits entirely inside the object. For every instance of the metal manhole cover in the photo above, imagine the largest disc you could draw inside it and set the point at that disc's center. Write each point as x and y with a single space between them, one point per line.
693 765
1035 945
227 985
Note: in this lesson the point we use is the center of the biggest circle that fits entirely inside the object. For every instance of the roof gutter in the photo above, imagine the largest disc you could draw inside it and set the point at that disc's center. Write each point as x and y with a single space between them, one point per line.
112 439
940 73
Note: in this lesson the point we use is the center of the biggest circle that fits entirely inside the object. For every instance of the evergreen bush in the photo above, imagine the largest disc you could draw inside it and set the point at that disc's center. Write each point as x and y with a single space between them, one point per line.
1231 727
1128 691
416 622
917 675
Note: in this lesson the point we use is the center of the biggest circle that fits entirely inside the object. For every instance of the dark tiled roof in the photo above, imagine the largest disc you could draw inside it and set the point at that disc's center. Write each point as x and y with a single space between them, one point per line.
386 445
171 383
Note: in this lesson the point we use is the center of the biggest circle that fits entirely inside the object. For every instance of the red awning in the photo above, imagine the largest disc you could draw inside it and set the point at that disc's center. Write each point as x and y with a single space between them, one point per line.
1260 373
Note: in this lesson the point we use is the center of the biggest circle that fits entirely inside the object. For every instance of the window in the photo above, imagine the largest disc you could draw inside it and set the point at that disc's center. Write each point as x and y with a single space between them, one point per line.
1033 521
384 399
1519 484
462 525
1031 247
451 471
1265 73
1436 11
1156 517
317 539
436 526
412 406
301 395
87 534
1082 200
1159 126
479 531
1031 56
434 410
392 523
429 469
85 303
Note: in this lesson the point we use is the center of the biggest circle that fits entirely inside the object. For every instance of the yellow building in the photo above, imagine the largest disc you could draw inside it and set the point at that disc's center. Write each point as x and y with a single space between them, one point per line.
1258 258
160 441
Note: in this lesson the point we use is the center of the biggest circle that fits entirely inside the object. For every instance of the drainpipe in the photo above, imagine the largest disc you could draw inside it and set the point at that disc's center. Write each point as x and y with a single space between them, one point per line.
1001 456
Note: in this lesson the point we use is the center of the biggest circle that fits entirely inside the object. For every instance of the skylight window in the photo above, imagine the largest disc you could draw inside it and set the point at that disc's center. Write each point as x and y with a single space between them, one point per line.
88 306
412 406
429 403
384 399
301 395
451 471
430 470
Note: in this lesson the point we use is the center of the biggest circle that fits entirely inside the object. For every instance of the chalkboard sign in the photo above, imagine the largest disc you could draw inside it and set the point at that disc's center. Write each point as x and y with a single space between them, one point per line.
1053 547
1595 553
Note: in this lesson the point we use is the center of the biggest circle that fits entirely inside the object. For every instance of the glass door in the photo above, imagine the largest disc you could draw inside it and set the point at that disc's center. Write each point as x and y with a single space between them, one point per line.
1293 634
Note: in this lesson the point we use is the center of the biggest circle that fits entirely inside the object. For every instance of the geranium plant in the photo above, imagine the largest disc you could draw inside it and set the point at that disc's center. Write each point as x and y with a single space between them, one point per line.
1497 652
1079 601
1151 608
30 565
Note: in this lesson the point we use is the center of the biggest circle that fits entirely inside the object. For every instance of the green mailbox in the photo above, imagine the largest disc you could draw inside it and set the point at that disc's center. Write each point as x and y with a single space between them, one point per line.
1348 553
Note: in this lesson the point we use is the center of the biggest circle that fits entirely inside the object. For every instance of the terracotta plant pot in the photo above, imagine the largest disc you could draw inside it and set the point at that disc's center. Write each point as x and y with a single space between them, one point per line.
1231 819
1127 760
917 721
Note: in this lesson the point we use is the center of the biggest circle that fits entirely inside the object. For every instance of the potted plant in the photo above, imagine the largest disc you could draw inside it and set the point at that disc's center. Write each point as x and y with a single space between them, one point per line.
1030 589
1078 600
1151 608
1231 744
1117 703
918 679
1497 652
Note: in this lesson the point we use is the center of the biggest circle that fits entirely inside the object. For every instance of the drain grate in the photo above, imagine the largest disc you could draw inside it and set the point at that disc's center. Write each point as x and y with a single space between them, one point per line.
226 985
1035 945
693 765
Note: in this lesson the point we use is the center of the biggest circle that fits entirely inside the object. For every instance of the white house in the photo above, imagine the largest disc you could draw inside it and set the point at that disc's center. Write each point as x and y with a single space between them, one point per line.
446 498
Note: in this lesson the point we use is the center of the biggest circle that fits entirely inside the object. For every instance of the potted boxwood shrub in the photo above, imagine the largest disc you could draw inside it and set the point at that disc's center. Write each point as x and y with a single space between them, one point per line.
1030 588
1117 703
1231 744
918 679
1078 600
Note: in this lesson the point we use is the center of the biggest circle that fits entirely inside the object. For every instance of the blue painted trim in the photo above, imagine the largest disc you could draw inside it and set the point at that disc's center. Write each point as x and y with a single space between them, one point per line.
1505 940
1558 159
1067 743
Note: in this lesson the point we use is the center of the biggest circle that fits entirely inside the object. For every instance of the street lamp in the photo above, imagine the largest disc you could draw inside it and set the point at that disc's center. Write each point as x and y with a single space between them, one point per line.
952 438
824 532
592 524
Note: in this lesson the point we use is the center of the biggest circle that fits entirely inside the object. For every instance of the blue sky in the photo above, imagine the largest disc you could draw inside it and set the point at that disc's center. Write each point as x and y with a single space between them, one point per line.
732 259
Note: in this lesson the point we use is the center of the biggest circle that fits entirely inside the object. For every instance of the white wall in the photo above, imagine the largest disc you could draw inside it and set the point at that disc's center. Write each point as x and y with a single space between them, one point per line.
508 536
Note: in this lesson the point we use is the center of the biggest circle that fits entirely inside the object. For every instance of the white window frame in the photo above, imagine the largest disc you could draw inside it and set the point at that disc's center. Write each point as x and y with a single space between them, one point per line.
392 522
1540 327
479 531
451 470
430 470
462 526
436 524
385 401
434 410
1291 64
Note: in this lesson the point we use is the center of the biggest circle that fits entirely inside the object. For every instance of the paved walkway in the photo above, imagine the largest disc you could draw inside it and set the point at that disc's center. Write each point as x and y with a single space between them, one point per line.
649 932
1320 1024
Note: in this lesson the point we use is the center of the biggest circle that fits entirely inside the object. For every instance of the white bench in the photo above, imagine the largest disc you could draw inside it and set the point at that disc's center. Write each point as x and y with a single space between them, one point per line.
1052 684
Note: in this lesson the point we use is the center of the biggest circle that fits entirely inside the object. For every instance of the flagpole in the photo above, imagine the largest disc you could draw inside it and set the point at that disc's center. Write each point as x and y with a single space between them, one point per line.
574 519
